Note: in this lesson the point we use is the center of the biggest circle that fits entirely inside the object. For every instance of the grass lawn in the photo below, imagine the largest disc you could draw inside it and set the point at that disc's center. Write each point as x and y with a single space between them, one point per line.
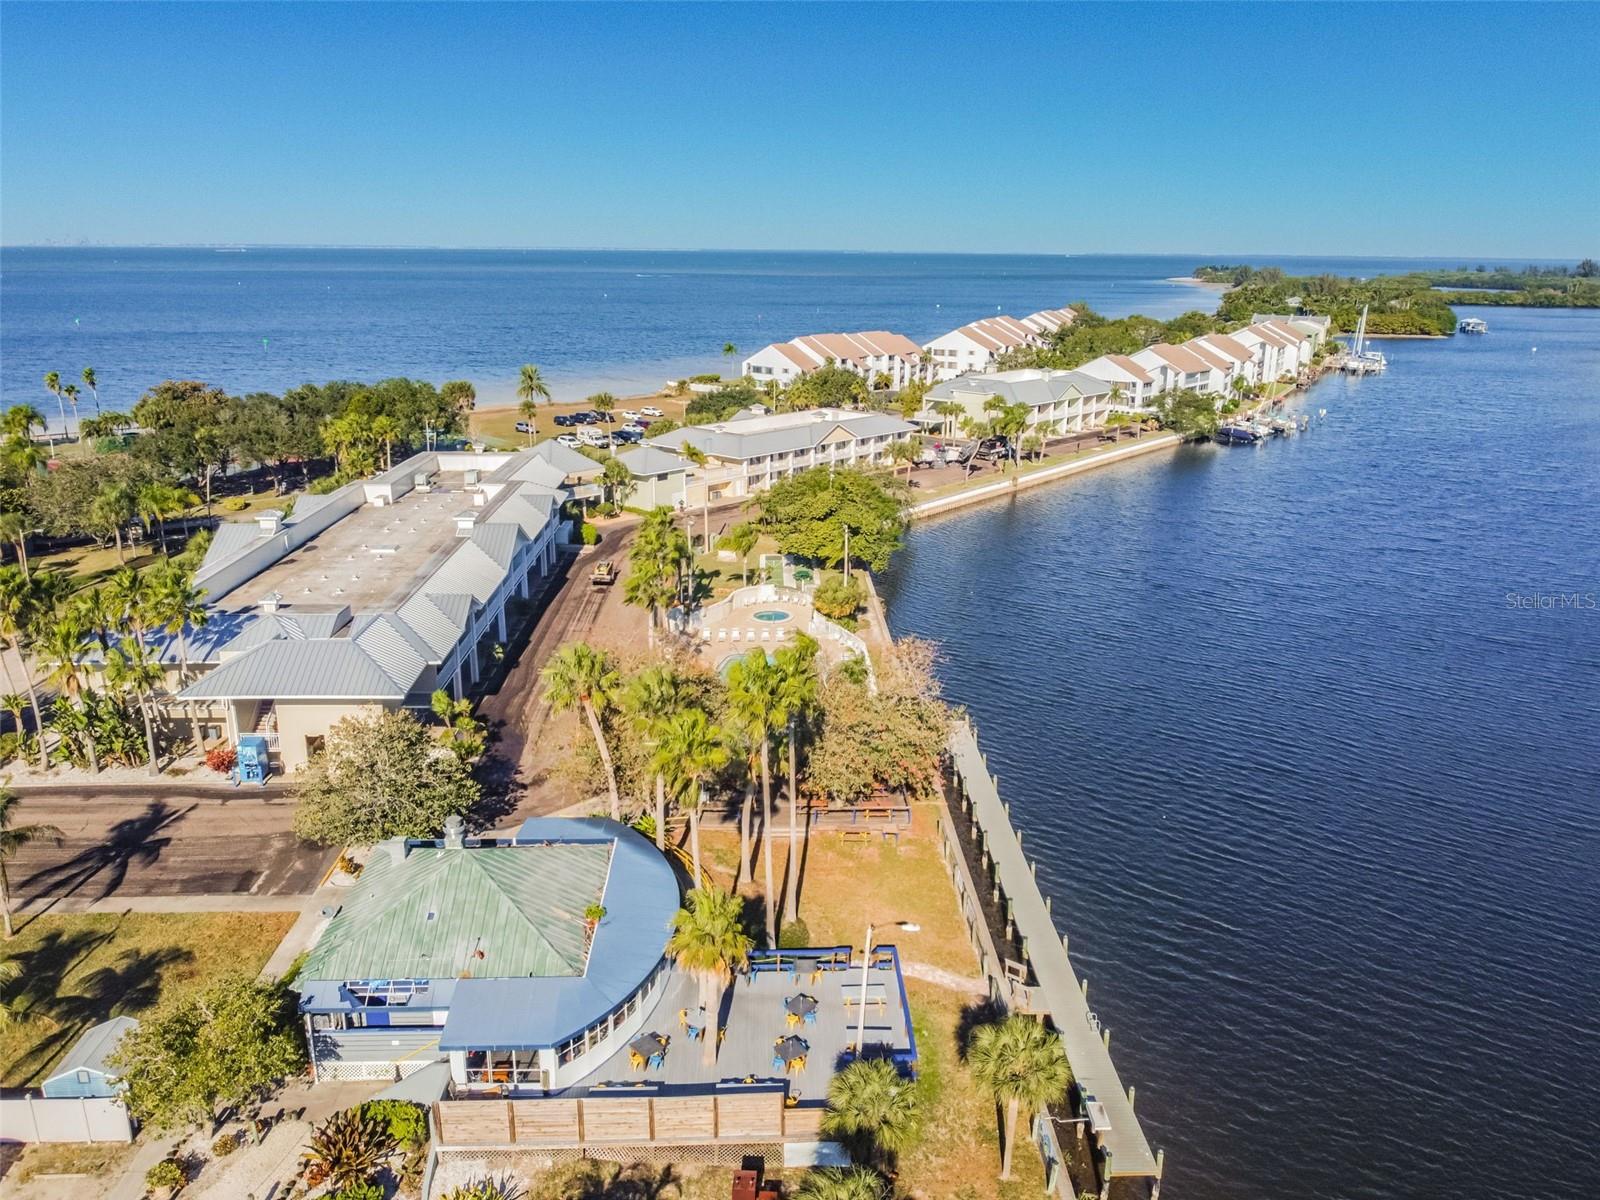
79 969
101 1159
498 426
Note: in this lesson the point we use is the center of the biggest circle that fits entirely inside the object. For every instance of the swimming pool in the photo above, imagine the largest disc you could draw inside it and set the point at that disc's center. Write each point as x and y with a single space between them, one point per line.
771 614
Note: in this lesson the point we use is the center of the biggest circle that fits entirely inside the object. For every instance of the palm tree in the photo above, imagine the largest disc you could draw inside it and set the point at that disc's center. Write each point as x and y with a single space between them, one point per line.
70 391
652 696
531 388
52 384
841 1183
128 668
870 1100
950 410
709 942
755 704
580 676
111 510
90 382
690 750
158 501
60 649
385 431
655 562
178 606
1019 1061
605 404
21 420
729 349
797 698
22 601
12 839
741 539
9 970
15 528
461 396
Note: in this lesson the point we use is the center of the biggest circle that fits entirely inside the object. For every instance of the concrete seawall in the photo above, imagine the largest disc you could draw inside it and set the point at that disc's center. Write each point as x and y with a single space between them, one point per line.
1002 488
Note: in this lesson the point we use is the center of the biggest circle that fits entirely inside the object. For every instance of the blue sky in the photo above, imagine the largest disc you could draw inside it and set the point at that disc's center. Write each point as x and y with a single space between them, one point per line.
1423 129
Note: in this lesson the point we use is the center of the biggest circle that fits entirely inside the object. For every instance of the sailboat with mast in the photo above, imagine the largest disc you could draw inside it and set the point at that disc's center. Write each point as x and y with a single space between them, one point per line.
1360 360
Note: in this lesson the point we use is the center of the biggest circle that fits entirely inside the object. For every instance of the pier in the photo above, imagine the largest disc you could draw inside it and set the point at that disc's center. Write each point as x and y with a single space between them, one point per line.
1025 960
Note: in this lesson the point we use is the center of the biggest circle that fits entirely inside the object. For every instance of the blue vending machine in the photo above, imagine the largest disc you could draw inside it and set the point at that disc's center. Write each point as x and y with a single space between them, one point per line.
251 766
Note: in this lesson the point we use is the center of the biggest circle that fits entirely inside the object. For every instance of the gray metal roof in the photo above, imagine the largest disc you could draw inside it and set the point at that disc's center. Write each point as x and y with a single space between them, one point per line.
567 459
1031 386
754 437
313 669
645 460
89 1052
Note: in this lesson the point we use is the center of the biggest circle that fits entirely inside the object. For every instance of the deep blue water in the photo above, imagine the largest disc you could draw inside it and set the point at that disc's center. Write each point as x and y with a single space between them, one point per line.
1318 803
268 319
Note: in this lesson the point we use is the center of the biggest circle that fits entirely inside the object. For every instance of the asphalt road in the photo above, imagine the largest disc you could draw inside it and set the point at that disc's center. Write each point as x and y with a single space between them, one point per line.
162 841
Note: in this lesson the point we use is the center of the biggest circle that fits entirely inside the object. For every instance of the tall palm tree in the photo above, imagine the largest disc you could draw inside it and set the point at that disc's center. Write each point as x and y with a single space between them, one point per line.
61 649
709 942
741 539
531 388
126 601
689 752
841 1183
21 420
655 564
1020 1062
90 382
22 601
15 528
13 838
70 391
652 696
158 501
129 668
797 699
111 510
580 676
870 1100
178 606
385 432
605 404
52 384
755 703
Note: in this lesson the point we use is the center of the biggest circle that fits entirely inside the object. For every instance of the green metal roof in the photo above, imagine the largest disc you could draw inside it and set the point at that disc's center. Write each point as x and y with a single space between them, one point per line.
484 912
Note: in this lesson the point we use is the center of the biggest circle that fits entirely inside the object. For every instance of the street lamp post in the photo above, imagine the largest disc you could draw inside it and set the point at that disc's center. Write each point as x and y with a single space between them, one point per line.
866 961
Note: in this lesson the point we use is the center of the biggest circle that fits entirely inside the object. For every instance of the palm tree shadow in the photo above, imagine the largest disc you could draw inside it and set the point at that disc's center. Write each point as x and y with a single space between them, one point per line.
639 1181
130 842
973 1017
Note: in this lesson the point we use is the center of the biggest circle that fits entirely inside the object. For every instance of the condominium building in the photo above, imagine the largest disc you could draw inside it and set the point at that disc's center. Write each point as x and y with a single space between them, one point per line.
976 347
870 354
1058 402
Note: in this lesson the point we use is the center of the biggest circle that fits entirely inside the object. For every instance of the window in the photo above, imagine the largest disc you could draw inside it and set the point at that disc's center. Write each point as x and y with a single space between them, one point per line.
386 993
314 744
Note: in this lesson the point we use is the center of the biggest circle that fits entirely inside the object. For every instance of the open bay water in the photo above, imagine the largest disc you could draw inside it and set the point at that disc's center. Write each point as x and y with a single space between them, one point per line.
266 319
1306 740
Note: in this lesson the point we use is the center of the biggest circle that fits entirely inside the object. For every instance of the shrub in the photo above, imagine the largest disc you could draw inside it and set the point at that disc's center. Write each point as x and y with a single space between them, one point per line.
589 534
407 1122
365 1190
794 935
225 1145
222 759
836 599
236 504
168 1173
346 1149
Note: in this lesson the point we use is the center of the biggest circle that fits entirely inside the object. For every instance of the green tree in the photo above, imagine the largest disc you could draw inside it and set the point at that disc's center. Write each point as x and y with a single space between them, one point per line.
224 1044
841 1183
52 384
809 513
837 598
798 681
689 753
652 696
755 706
177 606
129 669
112 508
20 420
12 838
60 650
379 777
16 527
465 734
90 382
582 677
870 1101
605 404
655 564
23 605
1018 1062
531 388
617 480
460 395
741 539
1188 413
157 501
709 942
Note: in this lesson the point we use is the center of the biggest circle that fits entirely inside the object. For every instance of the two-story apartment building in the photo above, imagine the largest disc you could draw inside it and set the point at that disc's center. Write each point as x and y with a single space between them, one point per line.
977 346
1058 402
869 354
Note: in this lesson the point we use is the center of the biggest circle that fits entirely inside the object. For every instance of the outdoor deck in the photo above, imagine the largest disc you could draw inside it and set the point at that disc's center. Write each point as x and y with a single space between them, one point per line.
754 1019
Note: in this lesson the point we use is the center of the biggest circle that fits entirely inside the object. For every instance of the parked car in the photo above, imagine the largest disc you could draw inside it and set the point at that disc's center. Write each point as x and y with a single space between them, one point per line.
583 418
568 440
606 418
592 437
563 420
650 410
627 434
524 427
629 415
953 452
993 449
636 426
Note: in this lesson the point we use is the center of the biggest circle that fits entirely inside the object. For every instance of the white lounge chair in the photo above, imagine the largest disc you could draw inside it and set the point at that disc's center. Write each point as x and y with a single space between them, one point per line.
735 635
722 635
765 636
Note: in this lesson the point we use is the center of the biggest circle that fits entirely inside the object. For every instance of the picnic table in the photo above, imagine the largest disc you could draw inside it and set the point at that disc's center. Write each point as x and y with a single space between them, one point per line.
789 1053
800 1008
649 1049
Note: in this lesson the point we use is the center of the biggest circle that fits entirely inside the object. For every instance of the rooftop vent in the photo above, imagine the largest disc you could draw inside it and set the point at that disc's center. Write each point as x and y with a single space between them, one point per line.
454 832
269 521
464 523
270 602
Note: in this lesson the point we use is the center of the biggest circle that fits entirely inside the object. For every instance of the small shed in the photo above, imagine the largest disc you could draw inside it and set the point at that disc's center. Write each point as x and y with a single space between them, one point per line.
83 1073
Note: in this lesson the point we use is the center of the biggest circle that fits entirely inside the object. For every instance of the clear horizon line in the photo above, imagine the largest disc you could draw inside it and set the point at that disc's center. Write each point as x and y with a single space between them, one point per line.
1215 255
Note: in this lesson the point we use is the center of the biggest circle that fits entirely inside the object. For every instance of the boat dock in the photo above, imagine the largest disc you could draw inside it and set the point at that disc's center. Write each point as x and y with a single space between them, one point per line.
1004 909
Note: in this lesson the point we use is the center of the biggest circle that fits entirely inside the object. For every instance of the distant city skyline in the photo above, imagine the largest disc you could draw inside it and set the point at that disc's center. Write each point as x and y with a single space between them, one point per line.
1025 129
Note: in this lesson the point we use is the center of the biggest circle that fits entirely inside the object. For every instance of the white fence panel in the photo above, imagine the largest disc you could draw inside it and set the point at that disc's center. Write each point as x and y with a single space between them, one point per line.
78 1120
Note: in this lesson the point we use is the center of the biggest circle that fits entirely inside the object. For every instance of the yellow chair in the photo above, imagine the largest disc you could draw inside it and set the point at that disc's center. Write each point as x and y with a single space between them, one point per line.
792 1019
636 1060
683 1018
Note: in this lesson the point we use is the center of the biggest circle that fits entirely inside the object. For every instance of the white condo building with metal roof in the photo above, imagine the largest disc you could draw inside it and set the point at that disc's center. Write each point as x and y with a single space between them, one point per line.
367 598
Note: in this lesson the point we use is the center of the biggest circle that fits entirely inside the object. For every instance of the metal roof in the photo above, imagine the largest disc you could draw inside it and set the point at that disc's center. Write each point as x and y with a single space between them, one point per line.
567 459
652 460
745 438
89 1052
313 669
478 912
